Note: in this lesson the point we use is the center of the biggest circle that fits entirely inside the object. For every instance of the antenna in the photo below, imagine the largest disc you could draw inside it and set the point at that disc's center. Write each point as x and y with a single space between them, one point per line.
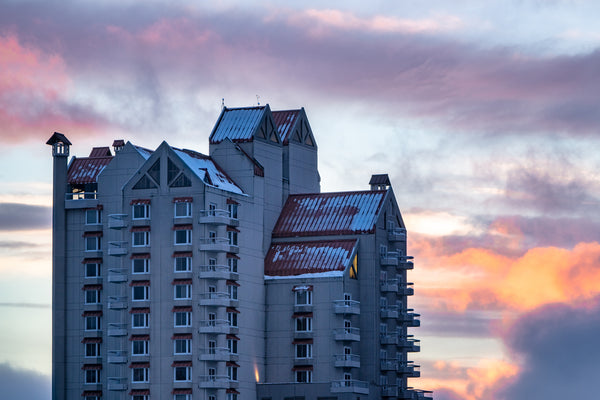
258 100
222 103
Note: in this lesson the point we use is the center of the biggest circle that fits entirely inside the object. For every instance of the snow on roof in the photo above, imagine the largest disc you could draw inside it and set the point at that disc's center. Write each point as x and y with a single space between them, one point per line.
146 153
339 213
237 124
285 121
207 170
86 169
290 259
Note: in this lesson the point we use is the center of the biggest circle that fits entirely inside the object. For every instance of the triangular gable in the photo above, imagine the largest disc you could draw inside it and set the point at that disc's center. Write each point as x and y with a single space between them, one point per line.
293 127
244 125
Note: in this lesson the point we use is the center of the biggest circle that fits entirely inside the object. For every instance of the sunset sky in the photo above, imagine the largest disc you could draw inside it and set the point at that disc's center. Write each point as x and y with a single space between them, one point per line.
485 114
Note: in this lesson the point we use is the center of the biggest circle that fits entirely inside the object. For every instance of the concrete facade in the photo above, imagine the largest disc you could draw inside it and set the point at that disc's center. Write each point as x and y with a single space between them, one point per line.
160 281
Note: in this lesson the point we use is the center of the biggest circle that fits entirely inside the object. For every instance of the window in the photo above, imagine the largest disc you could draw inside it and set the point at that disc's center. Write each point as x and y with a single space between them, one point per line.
140 347
233 238
140 320
212 208
92 296
212 374
232 373
140 293
347 352
140 239
304 350
233 264
304 324
212 319
93 243
92 350
212 236
347 326
183 209
182 292
383 328
212 347
140 375
233 292
92 270
347 299
212 397
232 318
92 376
140 397
303 297
92 323
140 266
348 378
232 396
187 397
232 346
183 264
182 346
303 376
232 209
182 374
141 211
183 318
183 236
93 217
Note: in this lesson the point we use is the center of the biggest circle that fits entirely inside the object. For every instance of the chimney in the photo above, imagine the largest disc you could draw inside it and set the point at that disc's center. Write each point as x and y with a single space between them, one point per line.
380 182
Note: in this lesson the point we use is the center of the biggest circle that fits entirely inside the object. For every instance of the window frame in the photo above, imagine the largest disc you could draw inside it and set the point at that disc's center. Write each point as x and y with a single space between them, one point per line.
188 264
182 292
92 376
145 372
303 324
179 314
303 376
96 270
143 317
306 294
232 211
145 214
143 235
183 344
187 371
96 241
145 290
88 346
89 299
187 207
97 220
188 237
97 323
304 351
146 265
140 347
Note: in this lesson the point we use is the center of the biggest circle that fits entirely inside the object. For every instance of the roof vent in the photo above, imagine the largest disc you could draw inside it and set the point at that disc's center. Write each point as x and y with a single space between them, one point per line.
118 144
380 182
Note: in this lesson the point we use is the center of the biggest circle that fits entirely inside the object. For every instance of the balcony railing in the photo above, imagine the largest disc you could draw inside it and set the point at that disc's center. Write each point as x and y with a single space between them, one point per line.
389 258
214 354
389 365
217 299
117 302
217 217
389 312
389 338
406 262
117 275
406 289
410 318
346 306
213 382
117 383
409 368
117 221
117 329
350 334
214 326
117 357
411 345
117 248
397 235
218 244
389 285
350 386
347 360
217 272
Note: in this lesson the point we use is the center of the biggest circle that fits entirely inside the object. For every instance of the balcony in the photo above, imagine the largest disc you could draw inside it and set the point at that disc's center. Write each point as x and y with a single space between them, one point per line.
214 326
217 217
304 361
217 272
389 285
80 200
389 312
346 307
410 318
389 391
117 329
117 383
397 235
347 334
219 244
347 360
389 259
214 354
411 345
117 357
117 248
406 262
117 275
350 386
389 365
303 307
409 369
117 221
217 299
117 303
213 382
406 289
390 338
422 394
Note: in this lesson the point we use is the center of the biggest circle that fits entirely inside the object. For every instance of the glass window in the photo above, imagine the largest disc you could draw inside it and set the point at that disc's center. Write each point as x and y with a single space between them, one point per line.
183 236
233 292
304 350
185 397
233 264
182 346
232 373
92 376
183 318
140 293
140 375
93 217
183 374
92 350
92 323
92 297
183 292
140 266
183 209
183 264
140 320
93 243
232 318
212 208
303 297
304 324
140 397
141 211
140 239
140 347
303 376
233 238
233 210
232 345
92 270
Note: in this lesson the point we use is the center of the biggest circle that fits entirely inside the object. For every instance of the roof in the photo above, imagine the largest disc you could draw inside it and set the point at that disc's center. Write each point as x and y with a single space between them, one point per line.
58 137
237 124
285 121
297 258
86 169
207 170
339 213
100 152
380 179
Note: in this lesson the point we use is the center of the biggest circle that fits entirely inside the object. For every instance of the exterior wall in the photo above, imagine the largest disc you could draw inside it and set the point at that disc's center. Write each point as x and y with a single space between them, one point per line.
303 170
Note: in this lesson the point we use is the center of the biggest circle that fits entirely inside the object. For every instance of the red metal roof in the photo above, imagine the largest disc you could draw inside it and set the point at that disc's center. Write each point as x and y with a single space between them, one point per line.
86 169
285 121
285 259
340 213
100 152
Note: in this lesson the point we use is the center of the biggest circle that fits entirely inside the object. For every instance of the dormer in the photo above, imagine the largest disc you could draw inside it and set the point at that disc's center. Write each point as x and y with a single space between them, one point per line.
60 145
118 144
380 182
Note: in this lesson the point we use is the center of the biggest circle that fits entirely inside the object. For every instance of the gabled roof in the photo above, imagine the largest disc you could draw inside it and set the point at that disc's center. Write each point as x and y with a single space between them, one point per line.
237 124
100 152
285 259
341 213
285 121
207 170
58 137
86 169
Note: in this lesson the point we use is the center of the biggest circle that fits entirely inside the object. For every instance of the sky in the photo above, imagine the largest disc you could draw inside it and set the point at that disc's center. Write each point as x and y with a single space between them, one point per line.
484 114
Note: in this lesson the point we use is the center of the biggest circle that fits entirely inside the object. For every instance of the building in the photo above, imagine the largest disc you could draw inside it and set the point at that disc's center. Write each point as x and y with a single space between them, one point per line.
229 276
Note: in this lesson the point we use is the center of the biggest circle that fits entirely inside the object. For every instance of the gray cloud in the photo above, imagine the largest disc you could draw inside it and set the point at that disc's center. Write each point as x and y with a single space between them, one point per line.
24 384
17 217
453 324
26 305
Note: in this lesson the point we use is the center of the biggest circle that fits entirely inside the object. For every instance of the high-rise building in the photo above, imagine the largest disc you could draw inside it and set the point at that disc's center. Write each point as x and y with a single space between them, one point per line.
178 275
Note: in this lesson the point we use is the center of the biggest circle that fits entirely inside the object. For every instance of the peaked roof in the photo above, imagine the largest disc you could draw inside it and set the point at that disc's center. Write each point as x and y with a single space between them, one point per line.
285 121
86 169
207 170
296 258
339 213
237 124
58 137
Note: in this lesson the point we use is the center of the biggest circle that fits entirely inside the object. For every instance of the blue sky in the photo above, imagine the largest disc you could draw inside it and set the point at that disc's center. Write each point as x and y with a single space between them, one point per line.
485 115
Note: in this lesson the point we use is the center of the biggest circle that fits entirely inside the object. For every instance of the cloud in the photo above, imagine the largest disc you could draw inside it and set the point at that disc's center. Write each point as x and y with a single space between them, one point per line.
557 346
24 384
20 217
16 245
25 305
